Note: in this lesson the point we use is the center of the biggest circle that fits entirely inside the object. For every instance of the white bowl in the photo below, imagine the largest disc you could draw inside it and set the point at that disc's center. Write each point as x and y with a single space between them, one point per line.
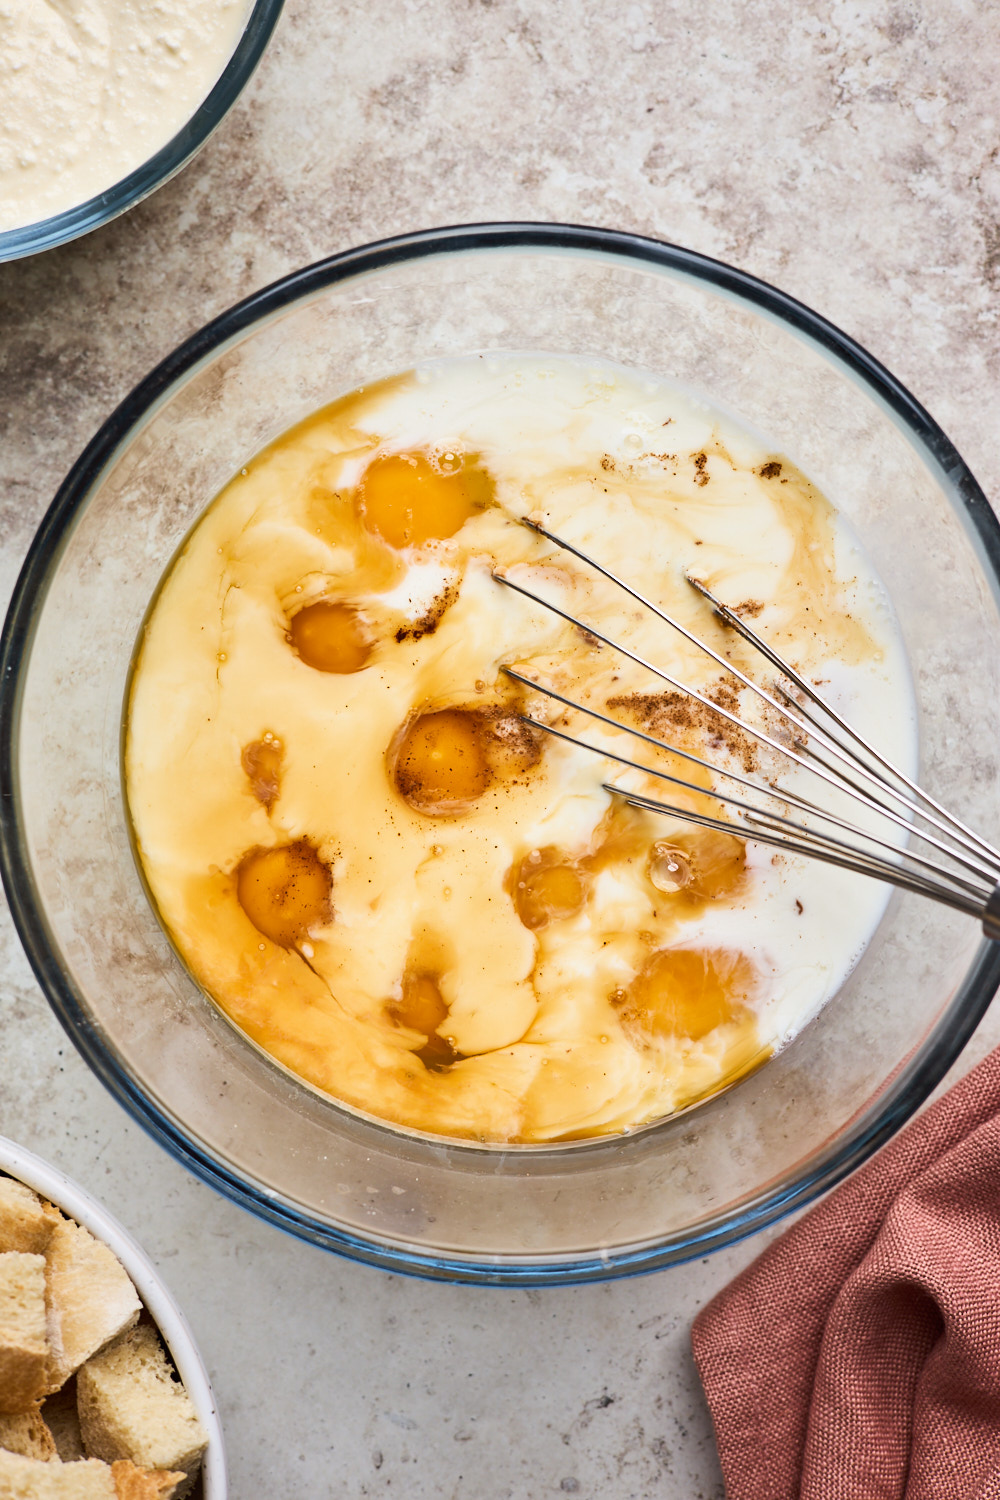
79 1205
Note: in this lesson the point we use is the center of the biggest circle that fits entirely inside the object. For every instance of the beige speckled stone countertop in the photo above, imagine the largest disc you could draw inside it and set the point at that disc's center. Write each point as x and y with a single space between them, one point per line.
849 153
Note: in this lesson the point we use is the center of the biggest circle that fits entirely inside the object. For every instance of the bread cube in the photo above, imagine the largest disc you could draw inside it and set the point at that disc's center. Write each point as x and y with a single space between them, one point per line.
146 1484
28 1434
132 1406
91 1298
32 1479
24 1343
24 1478
26 1222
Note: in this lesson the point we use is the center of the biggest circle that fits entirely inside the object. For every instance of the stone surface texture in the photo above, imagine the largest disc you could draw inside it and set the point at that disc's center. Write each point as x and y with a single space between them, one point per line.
847 151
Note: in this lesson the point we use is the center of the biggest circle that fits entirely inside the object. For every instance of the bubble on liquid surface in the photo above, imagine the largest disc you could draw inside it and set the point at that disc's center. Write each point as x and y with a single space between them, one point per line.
669 869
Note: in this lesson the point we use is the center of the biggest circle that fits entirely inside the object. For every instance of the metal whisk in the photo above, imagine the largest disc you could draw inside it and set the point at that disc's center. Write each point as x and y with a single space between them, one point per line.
816 738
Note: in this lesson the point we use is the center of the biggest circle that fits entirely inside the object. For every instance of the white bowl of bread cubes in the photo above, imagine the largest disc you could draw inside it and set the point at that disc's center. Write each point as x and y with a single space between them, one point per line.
103 1395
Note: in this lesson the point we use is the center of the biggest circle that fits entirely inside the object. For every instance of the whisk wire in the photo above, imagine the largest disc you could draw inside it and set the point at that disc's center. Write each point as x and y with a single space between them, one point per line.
681 687
796 715
668 619
947 823
801 756
732 619
907 869
780 794
884 871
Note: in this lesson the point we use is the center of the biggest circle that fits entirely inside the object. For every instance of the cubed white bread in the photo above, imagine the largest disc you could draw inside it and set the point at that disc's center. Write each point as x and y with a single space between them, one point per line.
132 1483
26 1221
91 1299
30 1479
24 1344
63 1421
27 1433
132 1406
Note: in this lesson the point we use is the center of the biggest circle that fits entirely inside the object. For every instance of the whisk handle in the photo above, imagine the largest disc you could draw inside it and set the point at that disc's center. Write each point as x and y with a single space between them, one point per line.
991 916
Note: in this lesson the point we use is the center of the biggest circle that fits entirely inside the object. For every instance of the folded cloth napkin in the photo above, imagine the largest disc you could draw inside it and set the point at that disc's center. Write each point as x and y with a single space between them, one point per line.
859 1357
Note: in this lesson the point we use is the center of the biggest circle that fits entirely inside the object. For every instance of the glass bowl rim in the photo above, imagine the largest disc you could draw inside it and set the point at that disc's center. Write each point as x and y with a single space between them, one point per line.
96 211
915 1079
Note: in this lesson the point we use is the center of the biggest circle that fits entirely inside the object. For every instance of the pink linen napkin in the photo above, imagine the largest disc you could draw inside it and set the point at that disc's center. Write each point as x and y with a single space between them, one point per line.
859 1357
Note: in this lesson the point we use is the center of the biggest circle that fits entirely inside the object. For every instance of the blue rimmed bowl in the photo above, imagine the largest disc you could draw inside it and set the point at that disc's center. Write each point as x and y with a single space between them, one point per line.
45 234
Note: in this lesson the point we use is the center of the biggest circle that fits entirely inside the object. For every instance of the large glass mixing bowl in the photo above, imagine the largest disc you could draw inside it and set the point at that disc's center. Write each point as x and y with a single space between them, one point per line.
459 1212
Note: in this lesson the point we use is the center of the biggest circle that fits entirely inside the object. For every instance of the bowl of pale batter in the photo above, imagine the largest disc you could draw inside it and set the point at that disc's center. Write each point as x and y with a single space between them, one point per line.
291 830
103 101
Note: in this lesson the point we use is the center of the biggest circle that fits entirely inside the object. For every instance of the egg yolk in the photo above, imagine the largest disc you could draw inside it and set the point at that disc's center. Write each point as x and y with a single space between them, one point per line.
441 764
408 499
688 992
546 888
718 862
284 891
623 835
423 1008
330 637
262 761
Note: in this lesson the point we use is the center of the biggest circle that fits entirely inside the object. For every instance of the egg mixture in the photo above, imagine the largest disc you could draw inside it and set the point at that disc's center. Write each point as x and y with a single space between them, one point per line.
419 901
